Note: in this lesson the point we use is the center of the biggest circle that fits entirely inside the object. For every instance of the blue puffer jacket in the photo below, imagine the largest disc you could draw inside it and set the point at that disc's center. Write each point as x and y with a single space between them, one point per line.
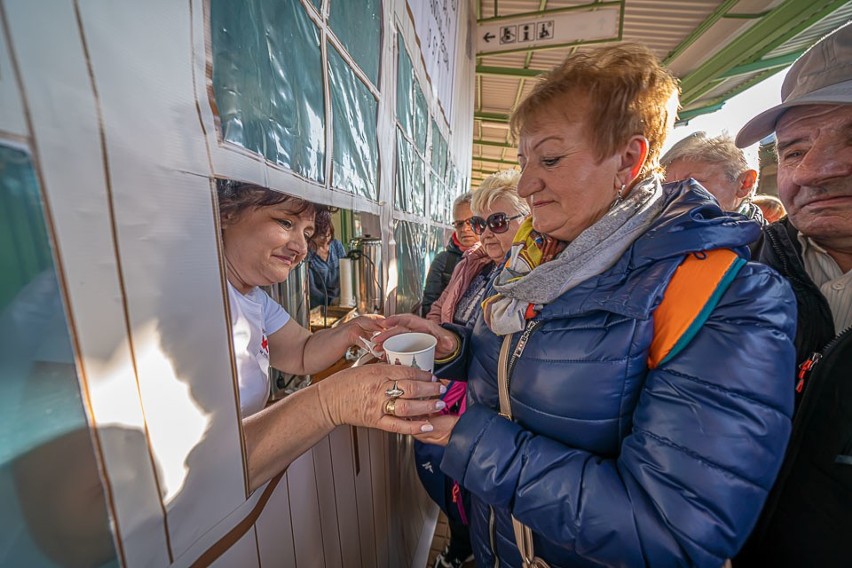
610 463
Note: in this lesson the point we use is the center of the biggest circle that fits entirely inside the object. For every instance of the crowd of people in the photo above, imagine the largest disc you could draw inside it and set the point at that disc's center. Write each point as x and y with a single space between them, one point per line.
657 372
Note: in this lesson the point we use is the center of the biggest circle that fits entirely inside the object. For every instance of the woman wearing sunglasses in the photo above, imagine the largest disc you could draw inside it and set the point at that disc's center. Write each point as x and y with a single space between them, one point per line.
577 438
497 213
441 269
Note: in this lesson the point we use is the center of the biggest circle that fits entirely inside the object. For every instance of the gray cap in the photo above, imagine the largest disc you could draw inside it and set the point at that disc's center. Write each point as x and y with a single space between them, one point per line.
823 75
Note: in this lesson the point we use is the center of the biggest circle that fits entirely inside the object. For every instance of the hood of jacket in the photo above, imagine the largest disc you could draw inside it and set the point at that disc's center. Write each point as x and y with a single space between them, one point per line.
698 223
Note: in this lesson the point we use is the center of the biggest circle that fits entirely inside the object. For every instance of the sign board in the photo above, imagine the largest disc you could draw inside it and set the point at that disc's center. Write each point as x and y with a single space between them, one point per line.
548 29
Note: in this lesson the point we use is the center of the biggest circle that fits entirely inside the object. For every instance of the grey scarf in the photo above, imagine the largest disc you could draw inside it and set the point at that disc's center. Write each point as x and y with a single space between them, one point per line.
595 250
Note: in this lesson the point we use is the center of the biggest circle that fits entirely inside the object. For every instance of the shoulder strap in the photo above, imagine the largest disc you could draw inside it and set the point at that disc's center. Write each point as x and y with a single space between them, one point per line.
693 291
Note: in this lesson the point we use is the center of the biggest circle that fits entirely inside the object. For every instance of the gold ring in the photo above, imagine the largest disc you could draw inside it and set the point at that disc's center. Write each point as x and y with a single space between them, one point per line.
395 391
390 406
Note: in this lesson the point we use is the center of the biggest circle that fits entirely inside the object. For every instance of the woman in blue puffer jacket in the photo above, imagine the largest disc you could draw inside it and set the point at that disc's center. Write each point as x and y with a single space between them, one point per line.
609 460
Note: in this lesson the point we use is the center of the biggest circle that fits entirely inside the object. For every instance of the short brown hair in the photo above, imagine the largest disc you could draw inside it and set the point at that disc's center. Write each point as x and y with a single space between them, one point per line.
628 93
236 197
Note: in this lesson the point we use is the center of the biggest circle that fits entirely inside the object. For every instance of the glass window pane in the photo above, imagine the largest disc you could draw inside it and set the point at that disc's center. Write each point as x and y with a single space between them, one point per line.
356 154
267 81
410 244
410 184
53 509
358 26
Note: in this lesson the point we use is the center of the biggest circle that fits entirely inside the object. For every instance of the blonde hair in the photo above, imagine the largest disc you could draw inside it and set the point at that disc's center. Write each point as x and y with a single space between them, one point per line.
627 91
698 147
499 185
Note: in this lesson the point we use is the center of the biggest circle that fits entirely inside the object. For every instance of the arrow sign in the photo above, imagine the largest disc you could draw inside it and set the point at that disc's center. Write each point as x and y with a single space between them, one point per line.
549 28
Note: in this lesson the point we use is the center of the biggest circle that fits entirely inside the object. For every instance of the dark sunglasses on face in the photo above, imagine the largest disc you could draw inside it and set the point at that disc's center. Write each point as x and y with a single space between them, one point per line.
497 222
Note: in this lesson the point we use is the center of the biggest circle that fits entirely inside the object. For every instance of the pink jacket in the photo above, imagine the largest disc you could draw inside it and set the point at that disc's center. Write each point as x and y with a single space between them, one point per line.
472 262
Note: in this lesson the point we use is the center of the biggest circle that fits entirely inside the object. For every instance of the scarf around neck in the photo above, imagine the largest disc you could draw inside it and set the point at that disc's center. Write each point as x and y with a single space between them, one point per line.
540 269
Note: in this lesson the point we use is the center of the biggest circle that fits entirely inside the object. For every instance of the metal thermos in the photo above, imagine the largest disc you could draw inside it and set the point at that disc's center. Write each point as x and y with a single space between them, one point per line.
366 251
294 295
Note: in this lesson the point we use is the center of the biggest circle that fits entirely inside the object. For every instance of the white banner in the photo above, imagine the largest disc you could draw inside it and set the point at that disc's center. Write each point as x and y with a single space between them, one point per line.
436 23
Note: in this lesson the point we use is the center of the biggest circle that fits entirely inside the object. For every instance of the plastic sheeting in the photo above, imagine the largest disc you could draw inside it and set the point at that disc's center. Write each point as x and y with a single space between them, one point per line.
410 195
45 444
437 199
268 81
411 110
410 244
416 246
355 111
358 26
439 152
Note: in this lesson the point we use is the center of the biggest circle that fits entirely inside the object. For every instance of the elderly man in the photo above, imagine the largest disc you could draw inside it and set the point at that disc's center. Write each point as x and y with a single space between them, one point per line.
807 520
718 165
445 261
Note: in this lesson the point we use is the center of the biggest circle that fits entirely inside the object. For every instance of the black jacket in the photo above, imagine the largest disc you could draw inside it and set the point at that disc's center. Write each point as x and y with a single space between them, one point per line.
439 275
807 520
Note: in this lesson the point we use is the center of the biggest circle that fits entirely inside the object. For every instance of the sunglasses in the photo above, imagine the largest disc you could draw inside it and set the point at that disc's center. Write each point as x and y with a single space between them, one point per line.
497 222
459 224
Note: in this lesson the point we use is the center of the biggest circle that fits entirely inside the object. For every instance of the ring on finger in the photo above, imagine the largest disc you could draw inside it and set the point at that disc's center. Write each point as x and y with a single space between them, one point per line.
394 391
390 407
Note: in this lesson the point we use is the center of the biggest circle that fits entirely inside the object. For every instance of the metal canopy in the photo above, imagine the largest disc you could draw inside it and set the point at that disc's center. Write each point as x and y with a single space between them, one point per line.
717 48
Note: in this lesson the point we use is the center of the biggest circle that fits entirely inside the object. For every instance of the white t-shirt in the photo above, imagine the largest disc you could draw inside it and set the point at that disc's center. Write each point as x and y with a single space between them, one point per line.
255 316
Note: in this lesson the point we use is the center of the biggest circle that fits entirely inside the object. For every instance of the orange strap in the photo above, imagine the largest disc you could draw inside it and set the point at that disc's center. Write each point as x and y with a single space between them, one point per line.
692 293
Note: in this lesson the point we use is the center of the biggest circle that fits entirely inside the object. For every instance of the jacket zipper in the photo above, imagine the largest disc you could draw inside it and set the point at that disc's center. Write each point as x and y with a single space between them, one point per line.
519 349
805 370
808 365
492 536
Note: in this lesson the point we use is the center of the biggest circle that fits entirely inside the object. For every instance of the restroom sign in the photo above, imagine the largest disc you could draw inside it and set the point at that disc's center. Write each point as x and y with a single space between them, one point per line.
550 28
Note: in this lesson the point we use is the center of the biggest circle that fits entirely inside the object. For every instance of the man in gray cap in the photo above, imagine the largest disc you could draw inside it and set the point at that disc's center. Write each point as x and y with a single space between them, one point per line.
807 520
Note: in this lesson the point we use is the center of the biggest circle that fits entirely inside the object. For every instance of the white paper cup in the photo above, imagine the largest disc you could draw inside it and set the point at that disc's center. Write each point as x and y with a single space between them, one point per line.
411 350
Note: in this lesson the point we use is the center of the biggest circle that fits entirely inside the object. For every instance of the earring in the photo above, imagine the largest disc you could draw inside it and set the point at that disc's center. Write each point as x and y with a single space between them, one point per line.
618 198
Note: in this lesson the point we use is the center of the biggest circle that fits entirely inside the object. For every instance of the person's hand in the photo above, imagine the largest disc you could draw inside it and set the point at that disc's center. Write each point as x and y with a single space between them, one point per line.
364 326
360 396
442 428
448 341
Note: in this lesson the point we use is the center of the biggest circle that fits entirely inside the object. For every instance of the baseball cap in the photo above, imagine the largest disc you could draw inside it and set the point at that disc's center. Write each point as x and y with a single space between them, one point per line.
823 75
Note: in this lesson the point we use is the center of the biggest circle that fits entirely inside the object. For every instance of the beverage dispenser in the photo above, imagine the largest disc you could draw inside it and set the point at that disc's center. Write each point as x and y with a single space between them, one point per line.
366 251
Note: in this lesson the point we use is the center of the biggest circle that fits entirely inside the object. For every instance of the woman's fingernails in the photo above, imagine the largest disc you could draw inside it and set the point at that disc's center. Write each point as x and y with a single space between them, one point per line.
443 389
440 405
434 379
427 428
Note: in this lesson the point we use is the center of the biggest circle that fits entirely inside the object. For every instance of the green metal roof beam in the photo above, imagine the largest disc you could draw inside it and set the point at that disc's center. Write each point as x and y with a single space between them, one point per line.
762 65
543 13
491 117
687 115
754 16
785 22
494 161
507 71
708 22
577 43
492 143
